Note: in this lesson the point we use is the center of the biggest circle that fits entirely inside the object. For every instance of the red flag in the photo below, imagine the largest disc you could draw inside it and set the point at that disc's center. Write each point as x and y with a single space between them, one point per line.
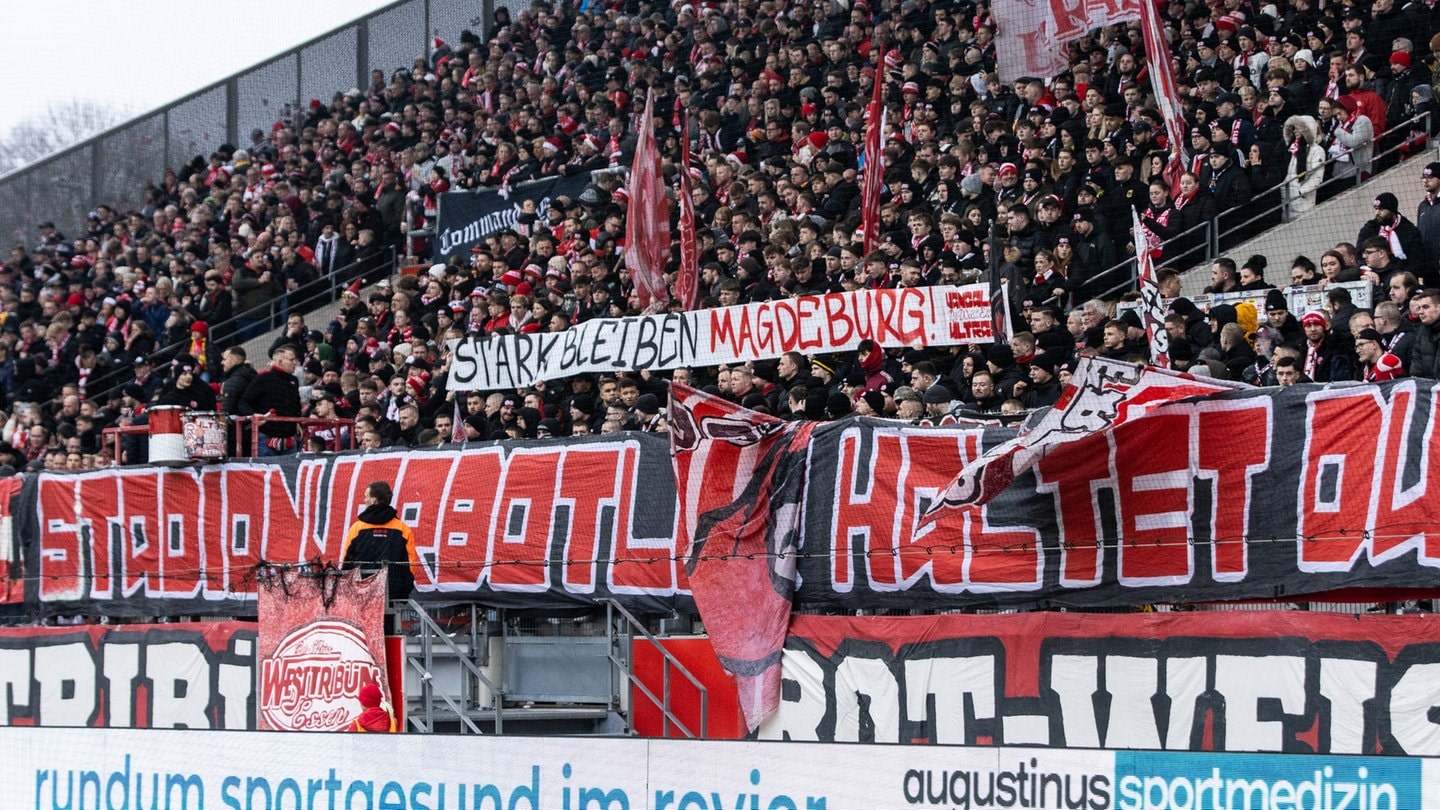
1167 94
1152 309
740 553
687 283
647 220
874 180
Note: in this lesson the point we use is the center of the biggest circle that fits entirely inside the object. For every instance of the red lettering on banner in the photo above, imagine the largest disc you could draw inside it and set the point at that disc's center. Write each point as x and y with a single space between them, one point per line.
722 330
74 559
836 315
873 518
524 523
1001 558
1156 498
912 315
642 564
593 480
461 550
807 307
1234 446
787 326
219 577
139 558
882 315
1072 474
1403 513
1225 443
764 329
179 532
1337 484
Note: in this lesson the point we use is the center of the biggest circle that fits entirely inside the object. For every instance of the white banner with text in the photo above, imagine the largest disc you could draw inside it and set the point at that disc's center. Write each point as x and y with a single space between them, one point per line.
107 768
809 324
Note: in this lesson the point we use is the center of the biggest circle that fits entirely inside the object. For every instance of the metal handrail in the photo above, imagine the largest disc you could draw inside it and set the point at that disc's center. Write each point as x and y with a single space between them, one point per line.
626 671
1216 236
335 281
429 631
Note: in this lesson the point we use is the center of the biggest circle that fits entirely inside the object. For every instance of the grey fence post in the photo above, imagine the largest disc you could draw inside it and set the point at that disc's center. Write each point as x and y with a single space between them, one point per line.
362 56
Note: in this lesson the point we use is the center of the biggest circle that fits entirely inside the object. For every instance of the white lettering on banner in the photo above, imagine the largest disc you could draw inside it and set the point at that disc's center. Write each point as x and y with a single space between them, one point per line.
921 316
493 222
69 679
1200 694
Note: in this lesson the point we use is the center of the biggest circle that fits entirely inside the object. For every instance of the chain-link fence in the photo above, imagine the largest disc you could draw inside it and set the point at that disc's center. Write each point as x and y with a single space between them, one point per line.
114 167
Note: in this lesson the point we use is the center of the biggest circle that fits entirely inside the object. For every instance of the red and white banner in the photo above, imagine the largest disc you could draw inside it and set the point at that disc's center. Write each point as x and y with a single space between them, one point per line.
1030 36
873 155
740 540
321 640
1165 92
687 281
12 586
647 219
909 317
1102 395
1152 308
198 675
1204 681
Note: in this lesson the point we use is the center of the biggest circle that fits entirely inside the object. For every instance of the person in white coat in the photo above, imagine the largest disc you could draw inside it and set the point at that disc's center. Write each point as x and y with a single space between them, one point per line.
1307 165
1354 145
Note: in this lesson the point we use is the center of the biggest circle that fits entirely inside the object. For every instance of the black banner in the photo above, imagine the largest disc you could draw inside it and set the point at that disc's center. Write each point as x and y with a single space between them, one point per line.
1263 493
466 218
543 525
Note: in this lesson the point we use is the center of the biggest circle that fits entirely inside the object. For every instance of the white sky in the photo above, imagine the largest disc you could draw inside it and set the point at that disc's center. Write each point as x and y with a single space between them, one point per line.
142 53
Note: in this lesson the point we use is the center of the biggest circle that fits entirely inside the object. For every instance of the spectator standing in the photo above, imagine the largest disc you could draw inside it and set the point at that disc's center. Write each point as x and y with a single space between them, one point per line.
380 541
275 392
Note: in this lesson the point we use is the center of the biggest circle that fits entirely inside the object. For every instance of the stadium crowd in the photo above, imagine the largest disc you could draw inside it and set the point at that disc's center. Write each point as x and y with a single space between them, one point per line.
1285 103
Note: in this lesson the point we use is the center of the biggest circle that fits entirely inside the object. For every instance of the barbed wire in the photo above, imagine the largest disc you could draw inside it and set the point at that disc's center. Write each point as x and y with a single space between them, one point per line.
252 573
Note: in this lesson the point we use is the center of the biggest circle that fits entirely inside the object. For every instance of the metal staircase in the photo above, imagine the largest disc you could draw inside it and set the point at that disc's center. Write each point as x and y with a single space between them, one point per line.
473 670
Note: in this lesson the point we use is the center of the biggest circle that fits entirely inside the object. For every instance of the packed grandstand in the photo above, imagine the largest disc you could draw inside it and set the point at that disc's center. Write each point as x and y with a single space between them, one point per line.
1085 504
1030 181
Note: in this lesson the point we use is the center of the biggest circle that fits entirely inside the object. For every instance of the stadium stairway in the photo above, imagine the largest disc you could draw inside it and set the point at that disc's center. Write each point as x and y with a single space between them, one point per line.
1335 220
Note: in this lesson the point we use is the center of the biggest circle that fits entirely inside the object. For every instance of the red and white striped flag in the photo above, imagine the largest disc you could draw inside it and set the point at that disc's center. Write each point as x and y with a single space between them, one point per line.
687 281
647 220
1167 93
1152 309
874 181
457 424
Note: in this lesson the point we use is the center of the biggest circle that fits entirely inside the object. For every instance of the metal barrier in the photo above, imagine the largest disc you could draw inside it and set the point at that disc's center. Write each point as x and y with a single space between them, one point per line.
439 705
622 627
272 314
114 167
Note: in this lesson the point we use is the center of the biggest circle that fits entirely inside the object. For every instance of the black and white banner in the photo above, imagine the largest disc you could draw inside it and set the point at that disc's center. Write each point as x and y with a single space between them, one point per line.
466 218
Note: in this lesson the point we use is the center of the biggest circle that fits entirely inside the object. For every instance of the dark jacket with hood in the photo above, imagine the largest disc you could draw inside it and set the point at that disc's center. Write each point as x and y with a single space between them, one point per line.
380 539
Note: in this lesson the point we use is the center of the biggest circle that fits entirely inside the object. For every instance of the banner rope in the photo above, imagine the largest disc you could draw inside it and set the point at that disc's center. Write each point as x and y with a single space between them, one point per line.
261 572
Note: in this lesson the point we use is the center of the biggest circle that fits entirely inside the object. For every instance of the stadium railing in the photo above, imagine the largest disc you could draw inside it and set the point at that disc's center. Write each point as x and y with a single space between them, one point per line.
1208 241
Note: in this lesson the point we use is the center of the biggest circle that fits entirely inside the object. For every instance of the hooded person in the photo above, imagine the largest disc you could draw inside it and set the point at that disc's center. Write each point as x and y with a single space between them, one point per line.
375 716
1306 166
379 540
